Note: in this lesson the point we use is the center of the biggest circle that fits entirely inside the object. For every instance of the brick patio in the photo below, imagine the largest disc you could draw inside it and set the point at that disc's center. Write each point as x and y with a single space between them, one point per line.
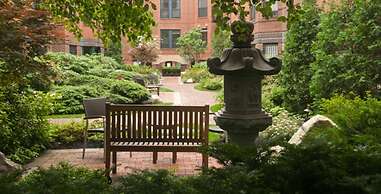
187 163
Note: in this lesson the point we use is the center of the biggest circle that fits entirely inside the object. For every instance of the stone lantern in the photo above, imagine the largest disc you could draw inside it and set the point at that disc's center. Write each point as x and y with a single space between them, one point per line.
243 68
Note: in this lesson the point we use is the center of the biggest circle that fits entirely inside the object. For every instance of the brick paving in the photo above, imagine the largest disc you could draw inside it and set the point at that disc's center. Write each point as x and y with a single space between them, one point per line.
187 163
186 92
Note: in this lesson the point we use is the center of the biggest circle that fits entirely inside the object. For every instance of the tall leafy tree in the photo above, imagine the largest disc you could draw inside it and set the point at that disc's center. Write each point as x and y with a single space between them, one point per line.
109 19
25 33
190 45
297 59
348 51
220 41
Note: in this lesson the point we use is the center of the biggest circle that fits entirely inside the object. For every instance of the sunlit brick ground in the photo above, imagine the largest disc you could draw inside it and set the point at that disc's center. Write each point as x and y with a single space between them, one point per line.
187 163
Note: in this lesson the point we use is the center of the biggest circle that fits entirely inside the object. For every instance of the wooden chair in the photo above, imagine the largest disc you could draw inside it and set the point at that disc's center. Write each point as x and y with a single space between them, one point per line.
155 88
95 108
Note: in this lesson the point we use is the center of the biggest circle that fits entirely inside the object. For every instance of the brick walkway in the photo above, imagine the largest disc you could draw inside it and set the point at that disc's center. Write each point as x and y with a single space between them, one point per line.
187 163
185 94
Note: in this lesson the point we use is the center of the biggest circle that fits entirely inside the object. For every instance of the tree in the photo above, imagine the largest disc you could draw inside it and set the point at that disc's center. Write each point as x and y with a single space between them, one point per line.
220 41
190 45
109 19
145 52
24 34
348 51
114 50
296 71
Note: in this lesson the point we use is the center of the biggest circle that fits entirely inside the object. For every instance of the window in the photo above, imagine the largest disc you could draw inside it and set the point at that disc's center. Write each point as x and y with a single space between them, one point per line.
202 8
169 8
168 38
252 13
204 35
73 49
270 50
88 50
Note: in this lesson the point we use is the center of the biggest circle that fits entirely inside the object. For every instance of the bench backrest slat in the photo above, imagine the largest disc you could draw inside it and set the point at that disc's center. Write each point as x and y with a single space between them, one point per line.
136 123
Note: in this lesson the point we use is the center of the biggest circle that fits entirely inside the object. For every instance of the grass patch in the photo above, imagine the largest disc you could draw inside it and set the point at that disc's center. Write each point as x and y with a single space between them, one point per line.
164 89
65 116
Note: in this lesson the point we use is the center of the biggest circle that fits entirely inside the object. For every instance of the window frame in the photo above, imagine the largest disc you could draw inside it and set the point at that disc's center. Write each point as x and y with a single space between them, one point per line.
170 9
202 8
171 40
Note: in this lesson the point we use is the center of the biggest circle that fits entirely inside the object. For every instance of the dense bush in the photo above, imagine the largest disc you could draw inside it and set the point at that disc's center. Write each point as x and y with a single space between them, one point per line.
95 76
211 84
24 130
171 71
128 92
196 73
347 51
296 71
356 116
61 179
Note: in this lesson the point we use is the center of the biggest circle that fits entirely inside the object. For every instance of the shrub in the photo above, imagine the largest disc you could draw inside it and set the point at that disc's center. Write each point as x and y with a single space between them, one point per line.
211 84
64 178
24 130
147 182
171 71
283 127
356 116
128 92
196 73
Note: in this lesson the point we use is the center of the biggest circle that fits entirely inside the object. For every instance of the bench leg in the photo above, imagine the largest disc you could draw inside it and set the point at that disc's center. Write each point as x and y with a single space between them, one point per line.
174 157
205 160
108 162
114 162
154 157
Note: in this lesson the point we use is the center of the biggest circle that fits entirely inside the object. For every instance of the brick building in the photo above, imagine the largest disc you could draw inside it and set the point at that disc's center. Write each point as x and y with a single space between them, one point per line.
174 17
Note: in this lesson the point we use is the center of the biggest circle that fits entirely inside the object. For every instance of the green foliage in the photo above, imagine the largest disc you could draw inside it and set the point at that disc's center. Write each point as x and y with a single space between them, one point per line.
356 116
64 178
171 71
221 40
147 182
211 84
24 129
114 50
111 20
128 92
283 127
347 51
24 35
95 76
223 9
190 45
196 73
296 72
67 133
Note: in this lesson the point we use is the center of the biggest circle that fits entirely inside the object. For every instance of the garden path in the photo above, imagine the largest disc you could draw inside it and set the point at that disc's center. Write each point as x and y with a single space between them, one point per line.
185 94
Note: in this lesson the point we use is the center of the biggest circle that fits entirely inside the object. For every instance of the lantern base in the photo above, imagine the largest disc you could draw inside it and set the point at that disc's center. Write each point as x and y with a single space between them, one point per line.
243 129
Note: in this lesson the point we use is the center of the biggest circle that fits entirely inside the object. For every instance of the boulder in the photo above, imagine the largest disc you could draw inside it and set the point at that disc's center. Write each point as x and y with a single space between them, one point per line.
315 121
7 165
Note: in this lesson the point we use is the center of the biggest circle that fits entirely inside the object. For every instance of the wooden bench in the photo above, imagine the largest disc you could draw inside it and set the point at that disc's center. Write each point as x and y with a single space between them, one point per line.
155 129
